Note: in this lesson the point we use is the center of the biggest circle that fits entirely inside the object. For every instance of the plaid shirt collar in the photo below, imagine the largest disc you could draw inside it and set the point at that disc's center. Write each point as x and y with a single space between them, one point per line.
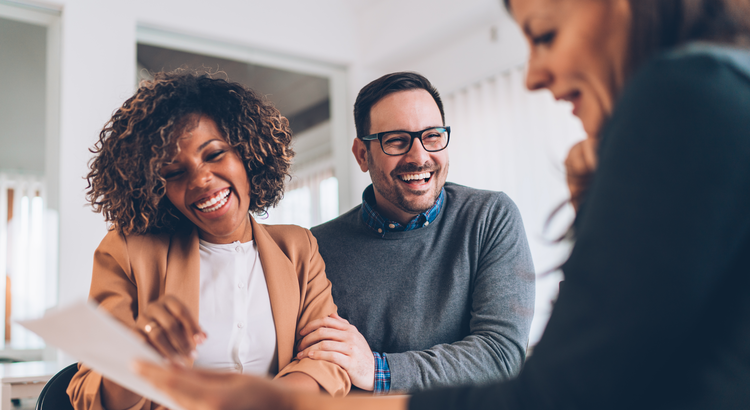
377 223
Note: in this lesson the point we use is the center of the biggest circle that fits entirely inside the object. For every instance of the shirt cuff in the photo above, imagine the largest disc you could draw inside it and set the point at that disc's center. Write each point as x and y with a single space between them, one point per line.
382 374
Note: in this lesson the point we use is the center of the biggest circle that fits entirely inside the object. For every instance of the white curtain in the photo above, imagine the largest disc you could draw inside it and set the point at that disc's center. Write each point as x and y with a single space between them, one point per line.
311 198
28 246
505 138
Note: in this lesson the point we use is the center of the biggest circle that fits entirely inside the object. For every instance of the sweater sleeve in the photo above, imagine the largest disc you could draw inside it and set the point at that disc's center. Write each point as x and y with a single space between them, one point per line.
502 306
656 257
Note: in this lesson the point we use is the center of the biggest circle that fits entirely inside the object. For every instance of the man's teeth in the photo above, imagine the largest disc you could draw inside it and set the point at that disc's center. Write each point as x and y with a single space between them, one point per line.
215 202
412 177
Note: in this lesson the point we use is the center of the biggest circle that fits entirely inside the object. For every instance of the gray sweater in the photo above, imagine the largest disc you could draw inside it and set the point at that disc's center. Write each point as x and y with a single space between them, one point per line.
450 303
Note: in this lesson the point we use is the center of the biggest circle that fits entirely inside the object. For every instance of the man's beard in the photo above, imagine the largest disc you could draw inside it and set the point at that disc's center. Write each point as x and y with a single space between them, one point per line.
389 186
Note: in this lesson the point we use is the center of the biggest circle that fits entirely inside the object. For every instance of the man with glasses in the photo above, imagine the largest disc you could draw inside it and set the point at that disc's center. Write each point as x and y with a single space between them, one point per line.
435 279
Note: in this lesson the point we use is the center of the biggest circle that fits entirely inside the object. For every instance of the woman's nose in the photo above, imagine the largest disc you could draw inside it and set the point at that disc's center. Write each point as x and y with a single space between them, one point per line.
537 76
202 175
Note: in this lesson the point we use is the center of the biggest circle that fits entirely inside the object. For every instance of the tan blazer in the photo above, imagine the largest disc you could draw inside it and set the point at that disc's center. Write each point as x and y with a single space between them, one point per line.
132 271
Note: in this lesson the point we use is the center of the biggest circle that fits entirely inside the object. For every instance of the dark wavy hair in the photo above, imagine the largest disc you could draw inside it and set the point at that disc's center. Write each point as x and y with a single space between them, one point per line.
373 92
125 183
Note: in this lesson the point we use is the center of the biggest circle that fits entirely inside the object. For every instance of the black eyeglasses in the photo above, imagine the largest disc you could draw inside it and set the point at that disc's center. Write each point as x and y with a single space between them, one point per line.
399 142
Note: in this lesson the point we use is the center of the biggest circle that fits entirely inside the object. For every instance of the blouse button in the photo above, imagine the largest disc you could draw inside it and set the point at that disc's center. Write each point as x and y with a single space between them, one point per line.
240 325
238 249
240 285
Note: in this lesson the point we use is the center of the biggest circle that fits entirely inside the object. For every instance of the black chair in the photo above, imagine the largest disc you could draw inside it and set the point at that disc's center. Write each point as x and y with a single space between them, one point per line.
53 395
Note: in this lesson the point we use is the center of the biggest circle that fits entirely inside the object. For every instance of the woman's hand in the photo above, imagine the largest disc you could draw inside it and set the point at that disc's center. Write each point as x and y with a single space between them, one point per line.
170 328
167 326
579 166
334 340
197 389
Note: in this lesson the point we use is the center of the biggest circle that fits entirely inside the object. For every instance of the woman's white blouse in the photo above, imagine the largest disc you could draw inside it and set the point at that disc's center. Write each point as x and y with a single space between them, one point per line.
235 310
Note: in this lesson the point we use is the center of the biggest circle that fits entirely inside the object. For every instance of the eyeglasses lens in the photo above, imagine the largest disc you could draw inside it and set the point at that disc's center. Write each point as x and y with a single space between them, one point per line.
396 143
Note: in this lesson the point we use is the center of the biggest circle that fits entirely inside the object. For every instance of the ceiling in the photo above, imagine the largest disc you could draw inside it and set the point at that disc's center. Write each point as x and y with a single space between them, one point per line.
300 97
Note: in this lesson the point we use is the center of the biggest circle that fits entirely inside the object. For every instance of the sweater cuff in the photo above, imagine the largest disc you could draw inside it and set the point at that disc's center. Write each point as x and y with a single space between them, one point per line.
382 374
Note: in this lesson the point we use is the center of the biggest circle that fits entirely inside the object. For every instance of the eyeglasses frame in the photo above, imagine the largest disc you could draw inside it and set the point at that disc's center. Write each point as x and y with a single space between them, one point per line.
413 134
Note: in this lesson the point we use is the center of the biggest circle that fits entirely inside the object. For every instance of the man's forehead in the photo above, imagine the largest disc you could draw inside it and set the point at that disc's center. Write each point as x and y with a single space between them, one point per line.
410 110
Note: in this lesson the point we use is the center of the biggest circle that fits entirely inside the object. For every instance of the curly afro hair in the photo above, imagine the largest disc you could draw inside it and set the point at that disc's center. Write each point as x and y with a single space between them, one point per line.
125 183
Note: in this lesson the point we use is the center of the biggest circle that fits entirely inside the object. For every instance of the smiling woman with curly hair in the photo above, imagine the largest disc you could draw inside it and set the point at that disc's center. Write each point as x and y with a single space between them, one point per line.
178 170
126 183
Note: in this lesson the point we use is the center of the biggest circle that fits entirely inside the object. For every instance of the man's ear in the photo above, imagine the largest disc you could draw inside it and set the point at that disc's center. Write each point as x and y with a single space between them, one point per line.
359 149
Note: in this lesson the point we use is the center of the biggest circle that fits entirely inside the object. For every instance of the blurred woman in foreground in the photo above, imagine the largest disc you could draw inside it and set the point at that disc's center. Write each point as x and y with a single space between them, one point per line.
655 311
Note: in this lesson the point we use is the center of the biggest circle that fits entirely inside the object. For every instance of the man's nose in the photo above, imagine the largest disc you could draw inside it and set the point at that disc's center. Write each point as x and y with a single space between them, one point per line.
417 154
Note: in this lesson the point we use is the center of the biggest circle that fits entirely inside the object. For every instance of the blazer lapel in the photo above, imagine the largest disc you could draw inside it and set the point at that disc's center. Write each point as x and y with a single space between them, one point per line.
283 290
183 278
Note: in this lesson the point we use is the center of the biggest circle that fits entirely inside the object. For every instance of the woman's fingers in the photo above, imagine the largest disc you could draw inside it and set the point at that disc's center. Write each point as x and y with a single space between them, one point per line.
171 333
182 387
579 165
589 153
156 336
180 311
184 329
171 329
207 390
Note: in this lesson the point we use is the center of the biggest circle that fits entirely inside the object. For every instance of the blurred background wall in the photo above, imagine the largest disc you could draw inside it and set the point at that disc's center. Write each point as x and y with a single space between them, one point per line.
66 65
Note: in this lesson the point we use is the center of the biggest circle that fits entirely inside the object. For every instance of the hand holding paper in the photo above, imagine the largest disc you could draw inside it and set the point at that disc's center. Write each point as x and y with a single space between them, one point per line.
102 343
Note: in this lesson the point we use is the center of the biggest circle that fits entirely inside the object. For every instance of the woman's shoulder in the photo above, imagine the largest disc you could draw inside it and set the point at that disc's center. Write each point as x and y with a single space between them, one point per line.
114 239
297 244
710 54
696 67
292 231
686 81
686 103
286 236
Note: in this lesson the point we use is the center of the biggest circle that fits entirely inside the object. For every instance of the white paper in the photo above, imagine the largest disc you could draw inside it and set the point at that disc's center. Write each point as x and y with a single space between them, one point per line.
102 343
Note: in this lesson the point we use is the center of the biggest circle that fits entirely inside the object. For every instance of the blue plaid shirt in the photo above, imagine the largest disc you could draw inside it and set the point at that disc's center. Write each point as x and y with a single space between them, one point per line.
377 223
382 374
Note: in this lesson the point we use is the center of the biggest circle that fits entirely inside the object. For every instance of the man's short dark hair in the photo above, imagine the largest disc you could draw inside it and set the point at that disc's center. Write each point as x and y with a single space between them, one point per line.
370 94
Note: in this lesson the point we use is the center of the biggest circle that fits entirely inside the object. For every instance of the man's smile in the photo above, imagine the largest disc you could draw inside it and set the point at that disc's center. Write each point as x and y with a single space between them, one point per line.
418 181
416 177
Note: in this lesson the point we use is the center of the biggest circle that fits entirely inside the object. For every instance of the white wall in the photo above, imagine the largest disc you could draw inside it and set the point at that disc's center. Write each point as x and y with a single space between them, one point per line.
452 43
97 71
22 75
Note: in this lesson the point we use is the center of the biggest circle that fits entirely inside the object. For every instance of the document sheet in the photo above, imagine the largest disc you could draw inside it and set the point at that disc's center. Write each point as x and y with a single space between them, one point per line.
101 342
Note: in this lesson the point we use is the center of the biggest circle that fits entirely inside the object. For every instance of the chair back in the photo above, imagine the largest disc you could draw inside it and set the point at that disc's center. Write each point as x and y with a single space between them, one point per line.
54 395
